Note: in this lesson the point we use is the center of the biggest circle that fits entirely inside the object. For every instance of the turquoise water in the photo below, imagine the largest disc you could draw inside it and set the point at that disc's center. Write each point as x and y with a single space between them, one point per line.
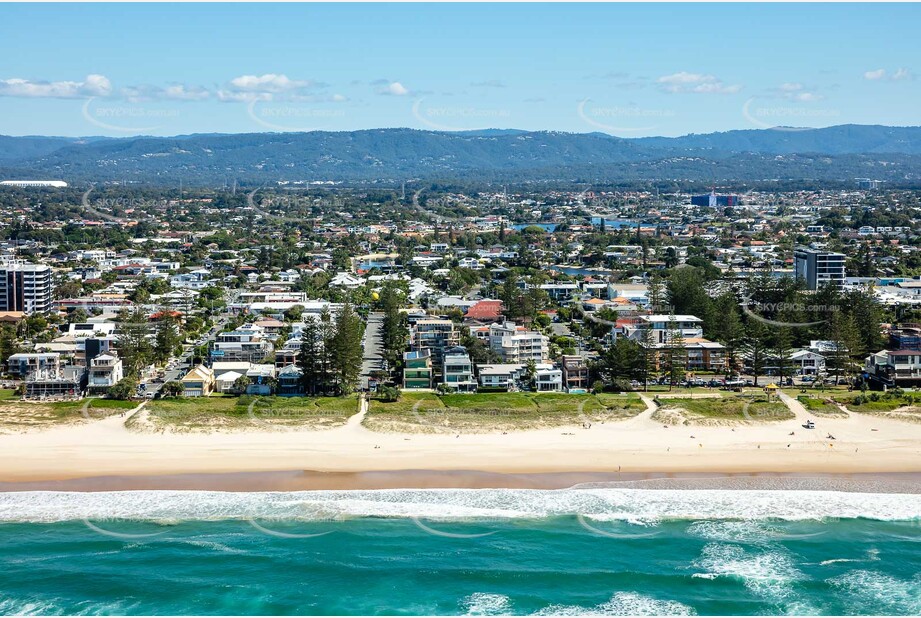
523 552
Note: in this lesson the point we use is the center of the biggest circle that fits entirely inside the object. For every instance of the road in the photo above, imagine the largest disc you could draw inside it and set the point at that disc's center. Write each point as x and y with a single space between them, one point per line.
371 361
182 367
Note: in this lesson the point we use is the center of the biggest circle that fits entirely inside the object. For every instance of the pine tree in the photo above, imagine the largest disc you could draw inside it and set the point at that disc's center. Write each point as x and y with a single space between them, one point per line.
729 330
650 357
755 346
310 358
676 355
167 337
781 351
345 352
133 344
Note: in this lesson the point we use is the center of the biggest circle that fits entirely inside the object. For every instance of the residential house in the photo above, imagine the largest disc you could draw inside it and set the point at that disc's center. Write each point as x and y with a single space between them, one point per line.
458 370
574 373
105 370
289 381
199 382
417 369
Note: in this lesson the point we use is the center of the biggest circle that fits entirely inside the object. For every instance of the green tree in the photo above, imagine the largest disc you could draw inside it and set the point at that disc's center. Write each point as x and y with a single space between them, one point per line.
345 349
755 346
123 389
167 336
133 343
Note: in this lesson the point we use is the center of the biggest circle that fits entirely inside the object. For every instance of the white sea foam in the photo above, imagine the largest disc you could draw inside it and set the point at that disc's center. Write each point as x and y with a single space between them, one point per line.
769 574
600 504
622 604
870 592
486 604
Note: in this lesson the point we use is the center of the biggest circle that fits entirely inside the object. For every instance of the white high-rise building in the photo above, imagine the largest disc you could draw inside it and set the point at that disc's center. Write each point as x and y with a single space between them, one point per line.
25 287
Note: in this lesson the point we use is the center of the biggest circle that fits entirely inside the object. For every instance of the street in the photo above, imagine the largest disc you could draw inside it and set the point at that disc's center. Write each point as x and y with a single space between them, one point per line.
372 345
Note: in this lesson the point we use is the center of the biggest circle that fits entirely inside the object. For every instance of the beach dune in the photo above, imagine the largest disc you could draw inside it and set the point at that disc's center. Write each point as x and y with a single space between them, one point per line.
861 444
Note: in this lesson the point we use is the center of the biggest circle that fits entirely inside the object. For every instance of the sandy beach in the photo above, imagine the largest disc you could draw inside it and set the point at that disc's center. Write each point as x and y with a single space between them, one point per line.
636 446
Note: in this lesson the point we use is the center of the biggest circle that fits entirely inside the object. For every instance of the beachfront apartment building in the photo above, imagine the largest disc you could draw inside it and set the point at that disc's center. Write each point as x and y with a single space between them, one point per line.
434 335
516 344
512 377
664 328
25 363
458 370
417 369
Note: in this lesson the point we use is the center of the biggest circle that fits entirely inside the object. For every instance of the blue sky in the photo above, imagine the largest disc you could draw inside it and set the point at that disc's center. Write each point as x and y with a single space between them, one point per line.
624 69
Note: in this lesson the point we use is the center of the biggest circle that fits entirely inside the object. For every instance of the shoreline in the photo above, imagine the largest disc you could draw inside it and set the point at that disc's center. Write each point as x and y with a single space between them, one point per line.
634 447
312 480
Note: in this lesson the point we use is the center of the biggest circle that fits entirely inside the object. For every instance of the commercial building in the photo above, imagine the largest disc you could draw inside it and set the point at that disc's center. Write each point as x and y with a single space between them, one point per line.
818 268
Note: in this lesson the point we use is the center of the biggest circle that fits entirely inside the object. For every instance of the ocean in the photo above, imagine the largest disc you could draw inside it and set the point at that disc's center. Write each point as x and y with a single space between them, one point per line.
589 549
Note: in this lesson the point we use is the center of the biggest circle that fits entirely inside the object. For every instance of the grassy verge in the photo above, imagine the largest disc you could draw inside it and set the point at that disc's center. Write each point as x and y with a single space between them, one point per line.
229 413
17 416
489 412
725 410
820 406
906 407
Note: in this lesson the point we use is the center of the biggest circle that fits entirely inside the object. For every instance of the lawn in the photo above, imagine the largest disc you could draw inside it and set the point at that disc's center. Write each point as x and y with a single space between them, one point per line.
485 412
17 416
820 406
727 409
226 412
885 404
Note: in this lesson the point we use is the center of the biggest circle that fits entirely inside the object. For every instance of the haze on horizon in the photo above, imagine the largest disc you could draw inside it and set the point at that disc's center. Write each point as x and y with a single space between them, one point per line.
626 70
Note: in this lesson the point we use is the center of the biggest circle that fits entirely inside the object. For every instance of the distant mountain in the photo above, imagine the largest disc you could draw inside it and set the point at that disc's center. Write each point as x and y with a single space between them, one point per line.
496 155
842 139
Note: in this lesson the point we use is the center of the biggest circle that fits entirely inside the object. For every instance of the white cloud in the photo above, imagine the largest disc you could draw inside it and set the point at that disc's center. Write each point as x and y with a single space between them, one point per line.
180 92
898 75
234 96
795 91
92 86
270 82
339 98
175 92
696 83
395 89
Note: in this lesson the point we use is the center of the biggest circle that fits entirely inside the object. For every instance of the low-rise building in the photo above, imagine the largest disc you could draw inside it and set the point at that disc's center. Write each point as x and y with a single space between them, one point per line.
24 363
575 373
105 370
199 382
417 369
458 370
